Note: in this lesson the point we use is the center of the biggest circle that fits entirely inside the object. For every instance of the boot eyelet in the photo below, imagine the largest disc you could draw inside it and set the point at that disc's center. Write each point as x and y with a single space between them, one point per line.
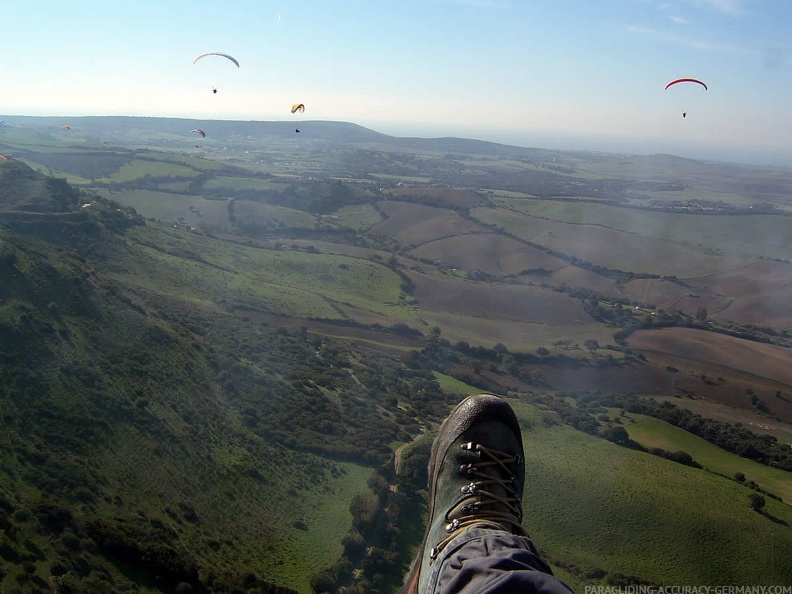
467 469
469 489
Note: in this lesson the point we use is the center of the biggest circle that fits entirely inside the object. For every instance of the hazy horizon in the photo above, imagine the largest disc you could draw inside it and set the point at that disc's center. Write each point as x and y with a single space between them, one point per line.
564 74
539 139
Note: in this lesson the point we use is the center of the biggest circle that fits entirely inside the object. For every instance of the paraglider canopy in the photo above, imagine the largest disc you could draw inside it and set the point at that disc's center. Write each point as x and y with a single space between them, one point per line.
685 80
297 107
233 59
694 81
65 127
198 131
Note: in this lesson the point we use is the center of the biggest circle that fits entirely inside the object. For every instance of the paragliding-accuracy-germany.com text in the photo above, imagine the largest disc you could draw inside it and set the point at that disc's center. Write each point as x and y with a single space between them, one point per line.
731 589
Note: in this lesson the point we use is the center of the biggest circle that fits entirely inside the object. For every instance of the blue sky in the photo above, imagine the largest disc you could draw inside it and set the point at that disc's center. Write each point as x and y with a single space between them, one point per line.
557 73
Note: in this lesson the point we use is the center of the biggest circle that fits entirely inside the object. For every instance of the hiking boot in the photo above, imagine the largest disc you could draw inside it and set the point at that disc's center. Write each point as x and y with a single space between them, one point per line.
476 476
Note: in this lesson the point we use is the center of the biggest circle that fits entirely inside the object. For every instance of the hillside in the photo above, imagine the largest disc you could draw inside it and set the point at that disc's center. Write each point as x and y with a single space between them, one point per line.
144 426
193 337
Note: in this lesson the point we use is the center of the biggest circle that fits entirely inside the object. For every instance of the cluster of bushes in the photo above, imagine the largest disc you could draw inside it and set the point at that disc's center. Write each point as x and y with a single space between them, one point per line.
310 393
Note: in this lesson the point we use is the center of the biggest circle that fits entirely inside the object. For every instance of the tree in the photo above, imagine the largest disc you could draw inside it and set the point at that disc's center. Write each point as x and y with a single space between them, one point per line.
591 344
510 364
324 581
617 435
757 502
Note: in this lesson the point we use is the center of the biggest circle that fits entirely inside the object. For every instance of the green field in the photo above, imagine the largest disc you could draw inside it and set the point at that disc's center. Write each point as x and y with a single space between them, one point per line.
651 432
598 505
325 511
259 215
359 217
310 285
140 168
170 207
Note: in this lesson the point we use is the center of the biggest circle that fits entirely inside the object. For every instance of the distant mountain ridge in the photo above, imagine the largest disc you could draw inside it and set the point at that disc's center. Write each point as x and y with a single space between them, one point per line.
328 131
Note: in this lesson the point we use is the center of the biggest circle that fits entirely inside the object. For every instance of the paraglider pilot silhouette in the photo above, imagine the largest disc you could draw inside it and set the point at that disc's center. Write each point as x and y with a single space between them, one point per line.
222 55
685 80
475 542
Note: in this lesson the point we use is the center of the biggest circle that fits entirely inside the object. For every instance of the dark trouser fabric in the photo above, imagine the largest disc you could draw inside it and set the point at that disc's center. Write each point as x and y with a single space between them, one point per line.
482 561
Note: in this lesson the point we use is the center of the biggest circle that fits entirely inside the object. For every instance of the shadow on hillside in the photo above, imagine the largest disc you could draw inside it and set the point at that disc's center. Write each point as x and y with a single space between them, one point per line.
772 518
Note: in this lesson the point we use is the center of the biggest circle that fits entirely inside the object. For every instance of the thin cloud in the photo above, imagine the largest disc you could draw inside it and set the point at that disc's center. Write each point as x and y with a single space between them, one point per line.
678 20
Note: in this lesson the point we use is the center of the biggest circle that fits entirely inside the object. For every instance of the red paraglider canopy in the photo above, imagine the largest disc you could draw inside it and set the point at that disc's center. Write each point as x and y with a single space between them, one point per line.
681 80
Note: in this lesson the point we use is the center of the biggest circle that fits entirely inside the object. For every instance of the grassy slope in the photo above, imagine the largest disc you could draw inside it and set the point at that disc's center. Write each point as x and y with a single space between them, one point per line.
295 283
452 385
111 372
596 505
174 441
655 433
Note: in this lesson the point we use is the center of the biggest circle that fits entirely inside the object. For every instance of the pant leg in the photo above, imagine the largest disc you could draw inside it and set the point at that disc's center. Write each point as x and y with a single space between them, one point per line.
483 561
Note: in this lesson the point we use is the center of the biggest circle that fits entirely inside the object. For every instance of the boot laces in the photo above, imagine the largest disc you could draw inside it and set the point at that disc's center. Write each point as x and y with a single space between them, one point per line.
491 500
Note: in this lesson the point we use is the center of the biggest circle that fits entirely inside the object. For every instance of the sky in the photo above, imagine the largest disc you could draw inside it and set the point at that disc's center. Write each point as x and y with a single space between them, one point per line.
552 74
